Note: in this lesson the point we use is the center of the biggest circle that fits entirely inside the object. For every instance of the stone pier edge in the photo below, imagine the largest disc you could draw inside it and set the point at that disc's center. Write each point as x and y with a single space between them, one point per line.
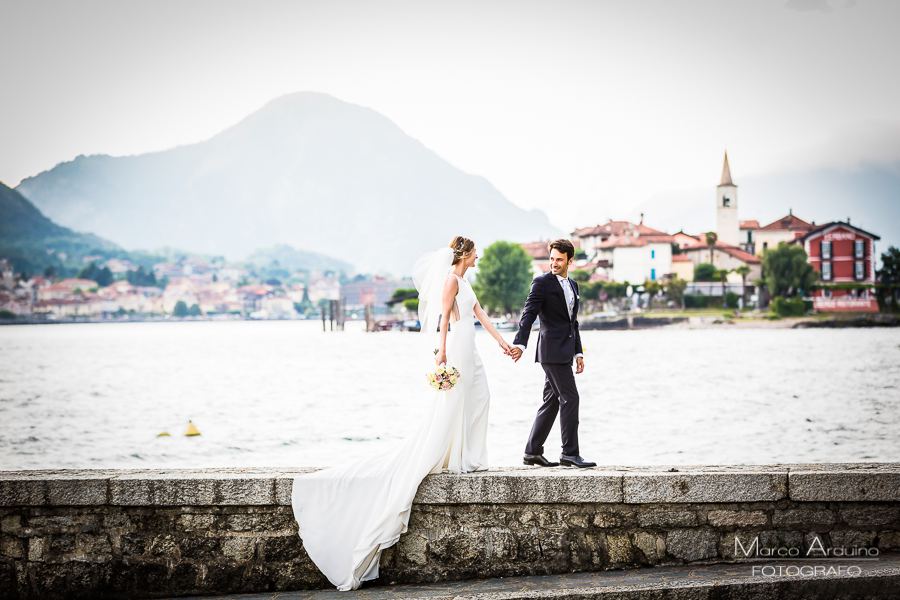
831 482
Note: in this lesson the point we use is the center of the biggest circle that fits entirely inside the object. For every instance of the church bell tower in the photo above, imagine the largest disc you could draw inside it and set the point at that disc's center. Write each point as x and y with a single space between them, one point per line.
728 230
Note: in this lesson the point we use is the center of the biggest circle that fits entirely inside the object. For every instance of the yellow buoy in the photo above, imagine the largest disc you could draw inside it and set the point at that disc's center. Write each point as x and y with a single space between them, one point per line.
164 434
191 430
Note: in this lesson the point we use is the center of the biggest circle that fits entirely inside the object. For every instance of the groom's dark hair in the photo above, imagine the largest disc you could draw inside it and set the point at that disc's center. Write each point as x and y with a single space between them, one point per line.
563 246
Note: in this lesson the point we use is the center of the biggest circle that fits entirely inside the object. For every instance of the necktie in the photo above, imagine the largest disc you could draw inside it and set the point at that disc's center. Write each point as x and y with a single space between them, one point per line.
570 295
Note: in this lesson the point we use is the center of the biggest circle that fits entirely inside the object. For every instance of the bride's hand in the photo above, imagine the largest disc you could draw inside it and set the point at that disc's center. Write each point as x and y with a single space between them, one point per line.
505 347
440 357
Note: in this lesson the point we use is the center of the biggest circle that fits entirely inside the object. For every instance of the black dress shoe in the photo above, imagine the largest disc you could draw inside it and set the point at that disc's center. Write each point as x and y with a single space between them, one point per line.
575 461
538 460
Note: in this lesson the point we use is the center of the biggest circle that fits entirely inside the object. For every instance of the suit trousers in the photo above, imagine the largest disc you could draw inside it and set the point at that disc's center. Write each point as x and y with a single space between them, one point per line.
560 397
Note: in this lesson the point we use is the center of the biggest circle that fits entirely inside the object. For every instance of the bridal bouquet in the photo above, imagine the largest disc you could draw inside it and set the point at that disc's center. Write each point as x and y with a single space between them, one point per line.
443 378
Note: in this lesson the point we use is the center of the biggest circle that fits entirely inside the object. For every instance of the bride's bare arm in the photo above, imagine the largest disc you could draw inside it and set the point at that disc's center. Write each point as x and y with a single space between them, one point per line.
485 321
448 297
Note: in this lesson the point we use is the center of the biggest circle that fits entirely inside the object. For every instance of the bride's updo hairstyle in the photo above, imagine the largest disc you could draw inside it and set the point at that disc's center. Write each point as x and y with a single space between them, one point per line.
462 248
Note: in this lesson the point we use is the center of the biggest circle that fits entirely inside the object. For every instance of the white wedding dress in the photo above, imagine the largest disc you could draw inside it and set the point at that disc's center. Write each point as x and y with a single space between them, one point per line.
349 514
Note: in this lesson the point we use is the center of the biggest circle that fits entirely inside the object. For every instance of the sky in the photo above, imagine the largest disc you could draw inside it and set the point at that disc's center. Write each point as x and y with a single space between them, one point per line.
581 109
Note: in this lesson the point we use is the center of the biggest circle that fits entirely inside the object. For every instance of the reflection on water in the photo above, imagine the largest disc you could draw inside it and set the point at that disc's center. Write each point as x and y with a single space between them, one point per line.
287 394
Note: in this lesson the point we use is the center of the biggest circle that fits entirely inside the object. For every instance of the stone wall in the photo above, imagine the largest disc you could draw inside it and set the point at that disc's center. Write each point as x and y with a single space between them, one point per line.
132 534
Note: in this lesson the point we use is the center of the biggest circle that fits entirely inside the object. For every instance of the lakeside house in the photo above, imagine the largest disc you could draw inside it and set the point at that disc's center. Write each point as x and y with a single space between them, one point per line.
844 257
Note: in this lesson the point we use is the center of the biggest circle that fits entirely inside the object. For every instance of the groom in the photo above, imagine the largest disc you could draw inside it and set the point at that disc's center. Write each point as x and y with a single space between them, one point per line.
554 298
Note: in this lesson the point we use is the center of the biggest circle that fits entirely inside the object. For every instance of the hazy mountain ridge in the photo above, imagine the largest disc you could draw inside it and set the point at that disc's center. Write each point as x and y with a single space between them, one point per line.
33 242
306 170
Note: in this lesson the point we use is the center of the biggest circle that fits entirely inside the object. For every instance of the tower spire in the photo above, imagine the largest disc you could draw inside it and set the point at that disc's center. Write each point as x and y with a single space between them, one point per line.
726 172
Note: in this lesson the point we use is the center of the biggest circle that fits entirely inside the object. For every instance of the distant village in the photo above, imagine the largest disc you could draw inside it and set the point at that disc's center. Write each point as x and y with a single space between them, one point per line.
842 255
190 288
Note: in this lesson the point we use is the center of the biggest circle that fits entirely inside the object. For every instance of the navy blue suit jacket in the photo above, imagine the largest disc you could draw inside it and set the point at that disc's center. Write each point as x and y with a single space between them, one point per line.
558 340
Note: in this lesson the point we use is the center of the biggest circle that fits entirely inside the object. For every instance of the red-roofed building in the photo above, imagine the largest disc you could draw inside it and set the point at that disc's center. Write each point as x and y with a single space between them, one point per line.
682 267
785 229
725 257
629 252
841 253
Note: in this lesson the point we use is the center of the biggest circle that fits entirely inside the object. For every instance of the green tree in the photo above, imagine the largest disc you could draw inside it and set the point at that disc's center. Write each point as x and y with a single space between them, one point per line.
723 277
50 272
889 278
743 271
180 310
194 311
787 271
675 290
504 276
652 288
711 239
580 275
411 304
704 272
103 276
141 277
615 289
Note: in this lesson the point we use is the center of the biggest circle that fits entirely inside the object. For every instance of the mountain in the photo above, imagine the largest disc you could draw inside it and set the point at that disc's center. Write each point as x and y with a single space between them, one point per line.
868 194
307 170
33 242
291 259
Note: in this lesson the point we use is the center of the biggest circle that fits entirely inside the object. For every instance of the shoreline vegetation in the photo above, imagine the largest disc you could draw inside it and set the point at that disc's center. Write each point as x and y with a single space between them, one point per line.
658 319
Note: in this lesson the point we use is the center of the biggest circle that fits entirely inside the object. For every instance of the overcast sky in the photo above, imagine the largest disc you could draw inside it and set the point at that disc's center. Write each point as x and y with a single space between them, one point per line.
583 109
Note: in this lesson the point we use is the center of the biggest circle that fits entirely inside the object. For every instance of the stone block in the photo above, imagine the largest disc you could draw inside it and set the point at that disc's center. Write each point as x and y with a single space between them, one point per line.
611 519
889 541
194 522
850 539
12 547
734 486
521 487
283 487
191 490
620 548
667 518
737 518
77 492
246 491
802 516
93 545
871 516
781 539
646 543
692 544
412 548
845 486
36 549
11 524
116 520
40 488
240 548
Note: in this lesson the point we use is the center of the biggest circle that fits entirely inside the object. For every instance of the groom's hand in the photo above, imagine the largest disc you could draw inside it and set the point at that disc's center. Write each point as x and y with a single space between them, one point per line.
579 365
515 353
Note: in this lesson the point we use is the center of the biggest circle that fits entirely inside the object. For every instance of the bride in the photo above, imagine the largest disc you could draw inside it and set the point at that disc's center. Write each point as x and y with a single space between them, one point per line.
349 514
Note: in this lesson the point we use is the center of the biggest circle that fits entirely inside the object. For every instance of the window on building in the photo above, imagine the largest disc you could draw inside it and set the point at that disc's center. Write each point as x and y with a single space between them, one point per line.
653 254
826 250
826 271
652 274
726 201
859 270
826 293
859 249
765 245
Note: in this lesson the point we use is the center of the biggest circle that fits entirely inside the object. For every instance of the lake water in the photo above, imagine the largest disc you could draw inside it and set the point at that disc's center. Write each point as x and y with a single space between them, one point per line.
286 394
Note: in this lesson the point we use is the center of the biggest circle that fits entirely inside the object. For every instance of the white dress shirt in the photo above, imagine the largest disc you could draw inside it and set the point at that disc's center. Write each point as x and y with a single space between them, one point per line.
569 293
